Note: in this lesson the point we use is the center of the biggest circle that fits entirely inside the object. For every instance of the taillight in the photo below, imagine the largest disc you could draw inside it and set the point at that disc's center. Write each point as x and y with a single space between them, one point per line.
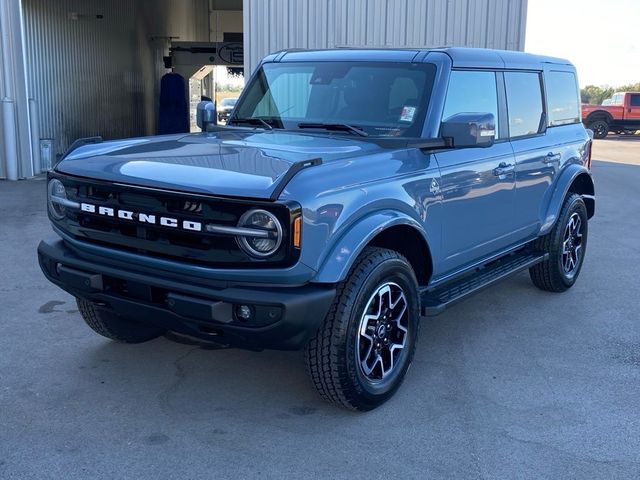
589 145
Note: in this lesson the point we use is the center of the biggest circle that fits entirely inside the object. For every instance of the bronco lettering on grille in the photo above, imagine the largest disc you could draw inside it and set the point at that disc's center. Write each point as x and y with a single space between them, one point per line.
141 217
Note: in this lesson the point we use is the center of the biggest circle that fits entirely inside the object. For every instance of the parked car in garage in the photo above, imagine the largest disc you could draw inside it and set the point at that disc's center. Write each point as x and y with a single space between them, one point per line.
225 108
618 114
351 193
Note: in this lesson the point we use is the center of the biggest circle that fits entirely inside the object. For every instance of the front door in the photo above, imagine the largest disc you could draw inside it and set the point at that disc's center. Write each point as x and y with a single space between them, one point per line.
477 184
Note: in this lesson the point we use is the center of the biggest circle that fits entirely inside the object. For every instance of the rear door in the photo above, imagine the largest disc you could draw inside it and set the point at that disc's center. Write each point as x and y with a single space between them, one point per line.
477 184
537 162
632 112
541 152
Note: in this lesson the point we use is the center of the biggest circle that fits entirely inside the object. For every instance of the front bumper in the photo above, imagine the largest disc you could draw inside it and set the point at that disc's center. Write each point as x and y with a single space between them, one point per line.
283 318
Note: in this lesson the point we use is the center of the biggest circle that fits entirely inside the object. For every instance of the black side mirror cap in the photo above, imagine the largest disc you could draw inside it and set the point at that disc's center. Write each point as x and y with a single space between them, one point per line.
470 129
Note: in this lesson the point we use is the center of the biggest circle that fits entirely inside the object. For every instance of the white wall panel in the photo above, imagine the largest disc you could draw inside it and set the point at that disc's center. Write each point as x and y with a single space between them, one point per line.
271 25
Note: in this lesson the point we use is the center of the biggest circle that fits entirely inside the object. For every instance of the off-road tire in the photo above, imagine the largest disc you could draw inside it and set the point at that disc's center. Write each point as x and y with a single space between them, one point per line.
114 327
600 128
332 357
550 275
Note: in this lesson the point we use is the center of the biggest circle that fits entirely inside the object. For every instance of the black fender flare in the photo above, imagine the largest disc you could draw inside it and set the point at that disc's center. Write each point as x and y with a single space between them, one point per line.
598 114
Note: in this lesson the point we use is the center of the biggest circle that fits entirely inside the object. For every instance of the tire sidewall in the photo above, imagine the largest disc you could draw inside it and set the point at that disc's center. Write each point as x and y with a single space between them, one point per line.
575 204
396 271
599 135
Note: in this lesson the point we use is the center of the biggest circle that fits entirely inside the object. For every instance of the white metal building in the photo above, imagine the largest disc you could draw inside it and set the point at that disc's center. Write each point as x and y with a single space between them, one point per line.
77 68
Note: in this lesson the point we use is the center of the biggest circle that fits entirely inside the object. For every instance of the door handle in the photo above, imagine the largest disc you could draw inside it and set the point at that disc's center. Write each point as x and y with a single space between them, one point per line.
552 157
503 168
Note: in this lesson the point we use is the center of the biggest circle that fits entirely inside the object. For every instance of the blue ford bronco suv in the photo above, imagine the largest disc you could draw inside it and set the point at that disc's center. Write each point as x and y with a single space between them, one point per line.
351 193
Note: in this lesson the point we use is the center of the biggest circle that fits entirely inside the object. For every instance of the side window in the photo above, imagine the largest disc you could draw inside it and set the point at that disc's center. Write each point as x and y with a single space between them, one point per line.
635 100
472 92
562 98
524 103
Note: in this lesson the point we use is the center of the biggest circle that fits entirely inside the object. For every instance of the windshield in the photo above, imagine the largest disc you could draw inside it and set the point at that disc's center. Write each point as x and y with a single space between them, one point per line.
382 99
229 102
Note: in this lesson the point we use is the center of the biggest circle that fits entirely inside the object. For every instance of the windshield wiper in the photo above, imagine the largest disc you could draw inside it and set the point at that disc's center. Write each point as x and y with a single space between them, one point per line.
252 121
343 127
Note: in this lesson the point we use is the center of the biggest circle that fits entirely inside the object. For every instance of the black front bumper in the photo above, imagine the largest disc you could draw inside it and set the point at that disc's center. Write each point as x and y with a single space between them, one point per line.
282 318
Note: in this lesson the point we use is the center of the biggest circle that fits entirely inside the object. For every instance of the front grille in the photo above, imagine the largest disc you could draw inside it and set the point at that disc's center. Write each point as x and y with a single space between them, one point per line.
216 250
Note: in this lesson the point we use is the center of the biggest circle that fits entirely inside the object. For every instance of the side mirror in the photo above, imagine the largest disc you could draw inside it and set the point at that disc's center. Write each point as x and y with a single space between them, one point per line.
206 114
470 129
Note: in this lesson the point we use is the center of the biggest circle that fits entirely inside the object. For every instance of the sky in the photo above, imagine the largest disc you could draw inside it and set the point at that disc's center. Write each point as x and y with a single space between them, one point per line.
600 37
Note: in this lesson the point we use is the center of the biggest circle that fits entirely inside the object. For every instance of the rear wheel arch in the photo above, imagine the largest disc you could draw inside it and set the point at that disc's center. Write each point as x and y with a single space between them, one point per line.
582 184
574 179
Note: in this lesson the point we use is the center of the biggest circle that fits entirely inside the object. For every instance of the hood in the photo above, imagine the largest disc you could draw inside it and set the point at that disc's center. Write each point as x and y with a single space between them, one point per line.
228 163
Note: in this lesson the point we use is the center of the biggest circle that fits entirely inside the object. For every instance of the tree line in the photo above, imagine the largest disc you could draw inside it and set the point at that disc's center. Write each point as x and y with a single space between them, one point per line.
595 95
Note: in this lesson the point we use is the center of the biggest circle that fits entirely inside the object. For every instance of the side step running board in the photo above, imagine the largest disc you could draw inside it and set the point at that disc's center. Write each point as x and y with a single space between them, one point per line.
437 300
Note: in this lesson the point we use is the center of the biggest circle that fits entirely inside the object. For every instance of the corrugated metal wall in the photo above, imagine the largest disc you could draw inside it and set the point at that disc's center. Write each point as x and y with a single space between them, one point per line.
271 25
94 65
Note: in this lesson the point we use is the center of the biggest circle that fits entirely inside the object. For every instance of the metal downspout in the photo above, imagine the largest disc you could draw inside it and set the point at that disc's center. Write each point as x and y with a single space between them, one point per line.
8 103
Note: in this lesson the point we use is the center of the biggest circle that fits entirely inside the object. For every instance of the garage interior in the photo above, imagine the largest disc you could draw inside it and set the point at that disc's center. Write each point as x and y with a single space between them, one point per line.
96 65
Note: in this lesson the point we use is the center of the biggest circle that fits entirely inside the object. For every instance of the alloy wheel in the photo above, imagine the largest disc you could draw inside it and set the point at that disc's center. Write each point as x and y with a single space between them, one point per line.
383 332
572 245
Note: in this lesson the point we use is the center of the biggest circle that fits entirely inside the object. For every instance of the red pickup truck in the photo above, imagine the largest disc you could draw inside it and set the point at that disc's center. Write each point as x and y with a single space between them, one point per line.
618 114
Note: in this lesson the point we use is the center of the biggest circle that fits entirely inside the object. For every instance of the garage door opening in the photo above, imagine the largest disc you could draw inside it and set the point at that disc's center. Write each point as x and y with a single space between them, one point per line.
224 84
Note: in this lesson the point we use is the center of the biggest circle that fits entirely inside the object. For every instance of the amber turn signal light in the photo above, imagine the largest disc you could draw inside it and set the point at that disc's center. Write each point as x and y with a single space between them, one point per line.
296 232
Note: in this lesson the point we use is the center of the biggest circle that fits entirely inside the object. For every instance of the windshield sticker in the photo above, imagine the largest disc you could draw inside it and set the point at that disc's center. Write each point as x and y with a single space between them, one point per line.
407 113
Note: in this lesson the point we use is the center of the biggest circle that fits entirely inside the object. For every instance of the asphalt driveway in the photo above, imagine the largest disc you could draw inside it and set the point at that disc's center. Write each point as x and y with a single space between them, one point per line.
514 383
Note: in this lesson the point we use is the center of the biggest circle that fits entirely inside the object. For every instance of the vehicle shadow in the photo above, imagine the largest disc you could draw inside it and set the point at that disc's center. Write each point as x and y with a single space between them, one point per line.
194 380
612 137
191 381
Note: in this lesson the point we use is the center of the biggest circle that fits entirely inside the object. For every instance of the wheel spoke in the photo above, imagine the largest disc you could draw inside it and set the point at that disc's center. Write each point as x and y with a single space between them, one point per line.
572 244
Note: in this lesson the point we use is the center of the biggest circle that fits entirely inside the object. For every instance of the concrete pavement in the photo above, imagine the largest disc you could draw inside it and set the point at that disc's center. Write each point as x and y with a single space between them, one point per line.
514 383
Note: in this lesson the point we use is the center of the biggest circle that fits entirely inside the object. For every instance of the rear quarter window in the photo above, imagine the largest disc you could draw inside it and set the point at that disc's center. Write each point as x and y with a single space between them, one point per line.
562 98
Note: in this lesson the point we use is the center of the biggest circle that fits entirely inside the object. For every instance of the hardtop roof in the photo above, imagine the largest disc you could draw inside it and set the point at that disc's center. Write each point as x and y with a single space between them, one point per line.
460 56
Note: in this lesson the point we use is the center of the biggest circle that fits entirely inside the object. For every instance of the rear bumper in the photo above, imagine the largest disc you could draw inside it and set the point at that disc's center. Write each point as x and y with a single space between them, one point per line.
283 318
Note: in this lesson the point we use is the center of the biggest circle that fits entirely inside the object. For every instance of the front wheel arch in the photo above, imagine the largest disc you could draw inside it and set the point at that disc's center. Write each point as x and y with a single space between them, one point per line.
388 229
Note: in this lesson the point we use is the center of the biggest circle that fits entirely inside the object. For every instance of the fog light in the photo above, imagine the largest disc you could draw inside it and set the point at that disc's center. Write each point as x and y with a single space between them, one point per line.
244 312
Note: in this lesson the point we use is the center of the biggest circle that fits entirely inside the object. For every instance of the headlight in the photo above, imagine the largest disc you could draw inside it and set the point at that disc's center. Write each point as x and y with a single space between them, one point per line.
264 245
57 199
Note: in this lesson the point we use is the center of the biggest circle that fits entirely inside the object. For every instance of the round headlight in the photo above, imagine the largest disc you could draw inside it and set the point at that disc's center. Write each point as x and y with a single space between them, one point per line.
57 198
267 243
